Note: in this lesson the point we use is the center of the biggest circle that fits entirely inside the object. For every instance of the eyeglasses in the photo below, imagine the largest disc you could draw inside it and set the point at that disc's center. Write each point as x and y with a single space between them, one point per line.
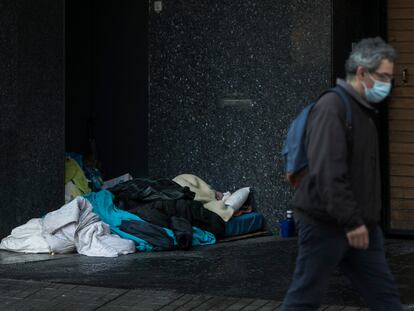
385 77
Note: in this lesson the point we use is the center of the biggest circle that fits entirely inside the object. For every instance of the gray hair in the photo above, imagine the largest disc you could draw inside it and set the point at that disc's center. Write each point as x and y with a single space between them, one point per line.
369 53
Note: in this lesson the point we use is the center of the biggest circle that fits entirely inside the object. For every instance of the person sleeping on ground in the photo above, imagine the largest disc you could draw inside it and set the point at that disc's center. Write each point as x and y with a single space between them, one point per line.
224 204
179 204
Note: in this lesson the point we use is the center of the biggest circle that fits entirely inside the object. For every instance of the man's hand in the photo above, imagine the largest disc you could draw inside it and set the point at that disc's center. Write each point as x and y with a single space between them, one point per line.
359 237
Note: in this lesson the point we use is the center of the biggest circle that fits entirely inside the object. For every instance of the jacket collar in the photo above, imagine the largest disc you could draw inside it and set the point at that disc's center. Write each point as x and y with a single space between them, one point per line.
362 101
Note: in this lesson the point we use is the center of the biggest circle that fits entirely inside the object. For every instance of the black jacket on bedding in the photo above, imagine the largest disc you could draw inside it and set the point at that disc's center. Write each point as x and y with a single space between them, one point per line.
161 213
139 190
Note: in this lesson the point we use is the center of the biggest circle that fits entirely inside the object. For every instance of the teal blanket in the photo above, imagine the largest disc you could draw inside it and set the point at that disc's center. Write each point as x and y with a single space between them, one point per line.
104 207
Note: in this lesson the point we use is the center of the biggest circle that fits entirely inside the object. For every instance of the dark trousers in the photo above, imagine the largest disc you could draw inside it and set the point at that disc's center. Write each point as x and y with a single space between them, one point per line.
321 250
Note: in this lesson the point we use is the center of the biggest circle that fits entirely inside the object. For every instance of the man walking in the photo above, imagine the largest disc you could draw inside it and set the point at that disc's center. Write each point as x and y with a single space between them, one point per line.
337 204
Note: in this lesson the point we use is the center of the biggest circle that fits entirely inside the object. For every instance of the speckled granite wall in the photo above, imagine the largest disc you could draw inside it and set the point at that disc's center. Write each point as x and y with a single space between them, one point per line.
31 109
275 53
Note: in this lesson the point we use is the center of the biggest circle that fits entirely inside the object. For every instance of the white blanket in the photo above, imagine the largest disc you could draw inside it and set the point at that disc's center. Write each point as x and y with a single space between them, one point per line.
72 227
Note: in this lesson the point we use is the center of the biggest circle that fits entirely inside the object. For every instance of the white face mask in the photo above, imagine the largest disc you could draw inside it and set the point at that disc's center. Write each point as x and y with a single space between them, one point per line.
379 91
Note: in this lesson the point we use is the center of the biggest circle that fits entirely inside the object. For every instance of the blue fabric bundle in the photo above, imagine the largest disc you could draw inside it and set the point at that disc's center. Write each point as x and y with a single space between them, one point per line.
104 207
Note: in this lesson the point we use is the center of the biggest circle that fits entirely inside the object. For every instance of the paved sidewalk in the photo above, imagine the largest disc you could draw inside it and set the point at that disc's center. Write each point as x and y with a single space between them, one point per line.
242 275
17 295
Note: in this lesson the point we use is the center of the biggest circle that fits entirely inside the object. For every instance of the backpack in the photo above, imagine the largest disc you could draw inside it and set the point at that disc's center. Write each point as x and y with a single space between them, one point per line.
294 148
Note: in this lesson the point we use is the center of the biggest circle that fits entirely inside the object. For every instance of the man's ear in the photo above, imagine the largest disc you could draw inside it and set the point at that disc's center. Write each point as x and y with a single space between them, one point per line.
360 73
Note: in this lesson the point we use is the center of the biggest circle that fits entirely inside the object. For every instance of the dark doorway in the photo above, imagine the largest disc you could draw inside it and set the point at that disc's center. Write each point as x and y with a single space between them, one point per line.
352 21
107 83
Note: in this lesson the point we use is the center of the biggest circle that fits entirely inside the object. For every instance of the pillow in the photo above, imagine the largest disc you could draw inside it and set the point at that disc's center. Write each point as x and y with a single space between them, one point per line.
226 195
237 199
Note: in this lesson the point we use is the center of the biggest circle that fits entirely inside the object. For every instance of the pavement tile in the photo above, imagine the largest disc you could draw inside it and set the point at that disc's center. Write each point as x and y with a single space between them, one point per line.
72 307
178 302
194 303
214 303
29 305
135 308
270 306
8 301
48 294
18 291
223 303
240 304
255 305
146 299
86 295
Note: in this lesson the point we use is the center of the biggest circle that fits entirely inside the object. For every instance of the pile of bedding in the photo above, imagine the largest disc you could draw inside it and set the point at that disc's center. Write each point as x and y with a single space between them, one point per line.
72 227
139 214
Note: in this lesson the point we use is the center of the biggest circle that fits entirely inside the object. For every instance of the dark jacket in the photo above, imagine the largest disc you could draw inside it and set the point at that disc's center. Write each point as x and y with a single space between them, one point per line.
342 188
133 192
165 203
161 213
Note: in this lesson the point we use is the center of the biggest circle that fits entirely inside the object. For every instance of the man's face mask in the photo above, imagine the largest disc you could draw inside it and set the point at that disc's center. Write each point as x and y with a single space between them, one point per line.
378 92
